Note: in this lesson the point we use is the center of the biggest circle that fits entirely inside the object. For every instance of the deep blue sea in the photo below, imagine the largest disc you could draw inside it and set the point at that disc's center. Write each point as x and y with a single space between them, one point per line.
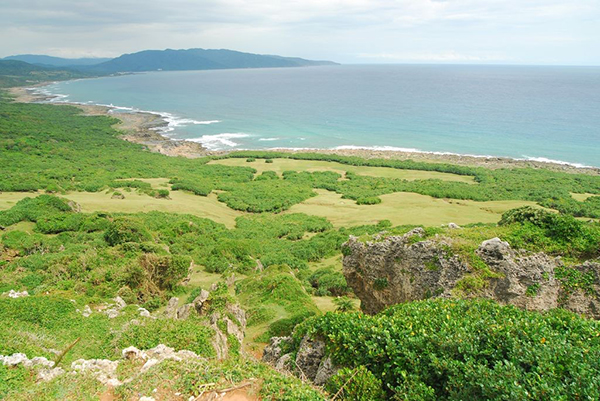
514 111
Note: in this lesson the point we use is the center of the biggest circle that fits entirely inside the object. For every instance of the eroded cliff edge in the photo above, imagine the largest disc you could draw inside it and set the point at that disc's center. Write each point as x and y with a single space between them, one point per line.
386 270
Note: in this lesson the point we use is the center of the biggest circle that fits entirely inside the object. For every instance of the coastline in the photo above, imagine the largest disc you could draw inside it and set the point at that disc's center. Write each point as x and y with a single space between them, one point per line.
138 127
145 128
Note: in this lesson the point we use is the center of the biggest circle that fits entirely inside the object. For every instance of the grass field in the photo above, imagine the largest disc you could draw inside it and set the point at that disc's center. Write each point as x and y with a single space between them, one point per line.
404 208
399 208
581 197
281 165
181 202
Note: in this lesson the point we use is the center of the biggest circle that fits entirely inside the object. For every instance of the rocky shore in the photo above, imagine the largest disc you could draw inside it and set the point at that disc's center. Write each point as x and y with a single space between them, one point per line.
144 129
137 127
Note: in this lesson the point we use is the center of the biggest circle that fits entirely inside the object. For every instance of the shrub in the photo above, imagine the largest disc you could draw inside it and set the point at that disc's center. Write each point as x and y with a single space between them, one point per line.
124 229
467 350
162 193
326 281
344 304
268 160
357 384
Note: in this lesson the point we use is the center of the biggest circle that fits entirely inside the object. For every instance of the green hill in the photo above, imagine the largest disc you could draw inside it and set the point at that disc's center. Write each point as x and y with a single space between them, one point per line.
198 59
20 73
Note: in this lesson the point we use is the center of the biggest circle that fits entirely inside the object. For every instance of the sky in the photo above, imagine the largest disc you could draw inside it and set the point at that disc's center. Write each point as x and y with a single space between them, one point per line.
565 32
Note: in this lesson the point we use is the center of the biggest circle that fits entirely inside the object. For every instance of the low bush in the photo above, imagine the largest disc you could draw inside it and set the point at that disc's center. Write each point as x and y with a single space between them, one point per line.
467 350
124 229
357 384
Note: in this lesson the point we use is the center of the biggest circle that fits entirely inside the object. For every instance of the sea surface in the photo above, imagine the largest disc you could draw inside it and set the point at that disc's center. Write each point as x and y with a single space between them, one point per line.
523 112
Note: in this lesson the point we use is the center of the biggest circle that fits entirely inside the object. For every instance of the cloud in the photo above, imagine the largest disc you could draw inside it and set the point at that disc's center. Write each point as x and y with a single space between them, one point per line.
464 30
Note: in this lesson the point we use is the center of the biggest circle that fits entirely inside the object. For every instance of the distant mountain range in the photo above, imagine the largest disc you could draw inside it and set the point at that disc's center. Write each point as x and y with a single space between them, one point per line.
49 61
169 60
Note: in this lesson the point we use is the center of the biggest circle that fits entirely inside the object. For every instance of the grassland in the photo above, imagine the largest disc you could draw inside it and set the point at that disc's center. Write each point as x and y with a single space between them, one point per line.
400 208
403 208
281 165
180 202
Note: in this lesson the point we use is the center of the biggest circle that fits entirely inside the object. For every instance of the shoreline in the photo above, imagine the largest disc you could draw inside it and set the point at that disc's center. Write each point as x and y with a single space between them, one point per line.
144 128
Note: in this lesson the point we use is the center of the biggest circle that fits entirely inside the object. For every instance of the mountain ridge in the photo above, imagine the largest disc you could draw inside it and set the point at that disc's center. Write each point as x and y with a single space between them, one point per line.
198 59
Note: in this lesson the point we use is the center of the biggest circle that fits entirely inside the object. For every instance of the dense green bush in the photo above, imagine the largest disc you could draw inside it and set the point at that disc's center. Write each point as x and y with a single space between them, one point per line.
265 196
459 350
326 281
357 384
554 233
125 229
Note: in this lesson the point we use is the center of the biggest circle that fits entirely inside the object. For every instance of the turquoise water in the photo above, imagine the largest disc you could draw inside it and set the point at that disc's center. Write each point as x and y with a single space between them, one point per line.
520 112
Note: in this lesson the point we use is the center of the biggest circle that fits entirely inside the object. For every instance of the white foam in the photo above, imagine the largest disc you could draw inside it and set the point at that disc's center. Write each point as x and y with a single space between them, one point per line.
268 139
413 150
218 141
172 121
546 160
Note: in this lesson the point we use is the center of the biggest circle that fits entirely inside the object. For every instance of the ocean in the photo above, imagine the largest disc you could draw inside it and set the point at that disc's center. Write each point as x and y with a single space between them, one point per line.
522 112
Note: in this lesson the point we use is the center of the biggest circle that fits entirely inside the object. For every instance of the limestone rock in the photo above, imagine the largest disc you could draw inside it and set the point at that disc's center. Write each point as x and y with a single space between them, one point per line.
184 311
144 312
284 364
325 371
87 311
273 351
120 303
397 269
309 356
17 294
171 309
199 301
46 375
111 313
104 370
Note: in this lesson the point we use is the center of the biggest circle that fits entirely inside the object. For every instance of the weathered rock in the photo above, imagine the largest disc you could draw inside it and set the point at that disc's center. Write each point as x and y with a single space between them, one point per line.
104 370
120 303
239 314
17 294
144 312
87 311
111 313
21 359
273 351
325 371
284 364
184 311
397 269
171 309
46 375
453 226
309 356
199 301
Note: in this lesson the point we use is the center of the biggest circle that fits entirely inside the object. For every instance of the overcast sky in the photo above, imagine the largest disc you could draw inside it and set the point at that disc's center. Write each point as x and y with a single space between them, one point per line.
347 31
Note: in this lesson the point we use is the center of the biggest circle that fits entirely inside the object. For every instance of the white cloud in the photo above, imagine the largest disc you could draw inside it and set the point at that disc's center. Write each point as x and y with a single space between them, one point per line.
435 30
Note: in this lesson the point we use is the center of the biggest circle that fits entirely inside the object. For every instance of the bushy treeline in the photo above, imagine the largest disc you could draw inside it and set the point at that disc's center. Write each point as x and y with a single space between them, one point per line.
463 350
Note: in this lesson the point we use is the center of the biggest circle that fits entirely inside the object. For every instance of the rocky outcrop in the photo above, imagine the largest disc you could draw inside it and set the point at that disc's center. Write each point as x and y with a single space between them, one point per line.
311 361
226 323
395 269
